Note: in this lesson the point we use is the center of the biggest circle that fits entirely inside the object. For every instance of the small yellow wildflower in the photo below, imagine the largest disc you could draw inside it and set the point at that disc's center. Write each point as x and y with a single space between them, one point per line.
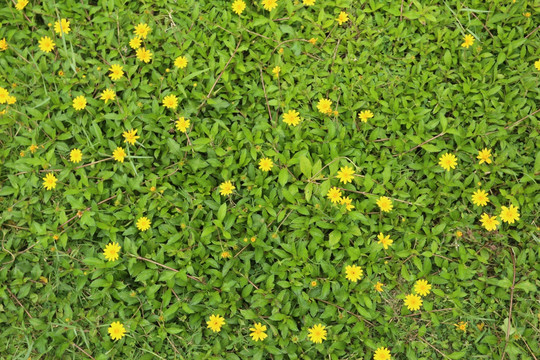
461 326
182 124
353 273
62 27
468 40
448 161
181 62
215 323
365 115
413 302
130 136
342 18
75 156
46 44
238 6
143 223
226 188
107 95
142 30
119 154
79 103
317 333
334 194
170 101
116 330
258 332
484 156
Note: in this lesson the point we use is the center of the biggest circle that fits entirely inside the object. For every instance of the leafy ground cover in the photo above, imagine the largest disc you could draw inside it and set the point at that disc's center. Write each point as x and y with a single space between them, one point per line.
269 179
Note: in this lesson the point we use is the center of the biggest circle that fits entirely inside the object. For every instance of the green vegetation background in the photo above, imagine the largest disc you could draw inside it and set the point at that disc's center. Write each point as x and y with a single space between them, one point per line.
405 64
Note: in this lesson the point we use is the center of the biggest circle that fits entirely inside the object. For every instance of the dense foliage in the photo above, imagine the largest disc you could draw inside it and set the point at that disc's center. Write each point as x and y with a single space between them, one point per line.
139 247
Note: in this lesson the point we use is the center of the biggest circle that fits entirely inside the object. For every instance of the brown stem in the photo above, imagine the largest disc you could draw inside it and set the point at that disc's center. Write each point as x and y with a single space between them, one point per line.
18 302
342 309
425 142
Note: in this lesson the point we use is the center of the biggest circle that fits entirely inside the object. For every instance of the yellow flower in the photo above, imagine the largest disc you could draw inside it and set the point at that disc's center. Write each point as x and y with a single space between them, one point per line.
413 302
116 72
11 100
62 27
459 234
309 2
142 30
143 223
79 102
382 353
226 188
510 214
21 154
75 156
345 174
49 181
238 6
480 326
225 254
107 95
119 154
46 44
461 326
422 287
111 251
347 202
385 240
182 124
266 164
527 14
21 4
170 101
276 70
181 62
468 40
536 63
480 198
144 55
3 44
317 333
342 18
325 106
484 156
130 136
334 194
489 223
4 95
313 41
291 118
313 283
378 286
215 323
448 161
258 332
365 115
353 273
33 148
117 330
135 43
269 4
385 204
